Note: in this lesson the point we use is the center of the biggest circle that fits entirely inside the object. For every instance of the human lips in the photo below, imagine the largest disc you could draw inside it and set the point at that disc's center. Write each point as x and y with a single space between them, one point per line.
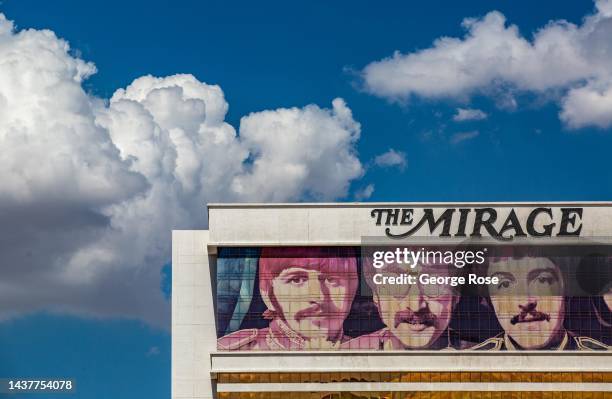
314 313
530 317
416 327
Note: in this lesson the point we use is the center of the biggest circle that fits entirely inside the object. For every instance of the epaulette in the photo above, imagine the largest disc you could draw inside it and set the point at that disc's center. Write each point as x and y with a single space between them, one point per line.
491 344
237 339
591 344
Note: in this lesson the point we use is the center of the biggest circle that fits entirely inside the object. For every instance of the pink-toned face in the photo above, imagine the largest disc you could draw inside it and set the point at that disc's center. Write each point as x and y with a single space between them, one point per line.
313 302
528 300
310 289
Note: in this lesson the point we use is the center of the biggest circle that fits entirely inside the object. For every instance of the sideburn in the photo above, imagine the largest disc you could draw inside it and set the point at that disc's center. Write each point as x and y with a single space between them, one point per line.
278 311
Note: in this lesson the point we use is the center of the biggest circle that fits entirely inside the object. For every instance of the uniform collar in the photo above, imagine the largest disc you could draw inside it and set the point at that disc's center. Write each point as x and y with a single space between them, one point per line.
391 342
281 336
563 344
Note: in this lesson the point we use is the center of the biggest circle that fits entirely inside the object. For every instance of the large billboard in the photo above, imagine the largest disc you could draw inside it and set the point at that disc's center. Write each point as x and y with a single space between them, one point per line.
477 297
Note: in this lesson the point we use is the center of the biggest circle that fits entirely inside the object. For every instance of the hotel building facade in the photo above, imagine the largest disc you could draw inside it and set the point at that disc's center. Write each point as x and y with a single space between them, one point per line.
286 301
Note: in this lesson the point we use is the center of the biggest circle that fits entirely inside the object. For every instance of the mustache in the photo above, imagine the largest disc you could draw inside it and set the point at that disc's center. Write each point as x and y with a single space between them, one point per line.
317 310
421 316
529 314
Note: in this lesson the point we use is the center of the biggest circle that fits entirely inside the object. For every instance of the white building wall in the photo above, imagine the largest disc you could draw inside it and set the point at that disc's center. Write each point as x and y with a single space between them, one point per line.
193 317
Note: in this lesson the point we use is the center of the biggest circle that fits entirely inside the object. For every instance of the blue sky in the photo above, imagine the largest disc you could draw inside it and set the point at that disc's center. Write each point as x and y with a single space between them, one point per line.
283 55
278 55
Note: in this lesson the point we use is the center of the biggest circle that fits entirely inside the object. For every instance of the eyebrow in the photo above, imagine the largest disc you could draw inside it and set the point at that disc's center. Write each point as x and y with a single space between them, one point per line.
393 268
504 274
533 273
293 269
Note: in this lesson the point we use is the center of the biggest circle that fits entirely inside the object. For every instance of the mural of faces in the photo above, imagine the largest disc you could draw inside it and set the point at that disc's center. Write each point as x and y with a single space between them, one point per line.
528 300
416 314
308 298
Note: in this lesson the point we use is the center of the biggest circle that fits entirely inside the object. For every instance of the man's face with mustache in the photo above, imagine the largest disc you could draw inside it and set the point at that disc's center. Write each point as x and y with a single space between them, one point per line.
314 303
416 314
528 300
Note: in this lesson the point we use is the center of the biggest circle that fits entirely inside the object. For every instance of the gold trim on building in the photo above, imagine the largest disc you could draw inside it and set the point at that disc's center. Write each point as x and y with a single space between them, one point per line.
433 377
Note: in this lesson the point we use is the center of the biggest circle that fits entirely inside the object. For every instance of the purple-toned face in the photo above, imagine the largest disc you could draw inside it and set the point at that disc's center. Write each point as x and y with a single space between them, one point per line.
528 300
313 296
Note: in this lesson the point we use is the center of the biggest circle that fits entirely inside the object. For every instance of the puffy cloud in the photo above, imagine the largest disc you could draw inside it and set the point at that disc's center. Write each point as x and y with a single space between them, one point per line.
364 193
303 151
604 7
43 106
463 136
467 114
494 59
92 188
490 52
391 158
588 105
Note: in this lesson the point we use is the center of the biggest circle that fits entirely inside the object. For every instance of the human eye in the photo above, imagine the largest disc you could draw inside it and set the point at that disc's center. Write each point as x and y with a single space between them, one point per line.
393 273
295 279
545 278
434 290
505 283
332 281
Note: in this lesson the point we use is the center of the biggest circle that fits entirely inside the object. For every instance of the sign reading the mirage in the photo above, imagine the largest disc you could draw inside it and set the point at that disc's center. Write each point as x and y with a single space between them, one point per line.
502 225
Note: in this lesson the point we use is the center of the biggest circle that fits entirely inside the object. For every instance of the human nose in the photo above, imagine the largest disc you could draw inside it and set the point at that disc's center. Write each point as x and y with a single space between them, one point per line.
528 305
316 289
416 301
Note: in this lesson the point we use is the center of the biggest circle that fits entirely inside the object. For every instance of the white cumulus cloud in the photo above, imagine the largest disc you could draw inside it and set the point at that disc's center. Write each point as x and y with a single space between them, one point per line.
93 187
391 158
495 59
588 105
304 151
468 114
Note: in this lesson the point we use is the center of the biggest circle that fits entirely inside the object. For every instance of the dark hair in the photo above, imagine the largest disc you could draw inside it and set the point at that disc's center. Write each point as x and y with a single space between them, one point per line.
594 273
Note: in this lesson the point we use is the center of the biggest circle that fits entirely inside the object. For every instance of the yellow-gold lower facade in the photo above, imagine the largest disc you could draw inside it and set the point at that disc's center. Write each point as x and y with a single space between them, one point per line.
468 385
433 377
